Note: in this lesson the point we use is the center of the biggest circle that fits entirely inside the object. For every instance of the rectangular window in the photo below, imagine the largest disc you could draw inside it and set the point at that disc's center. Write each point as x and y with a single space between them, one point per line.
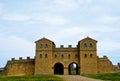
46 45
46 56
40 55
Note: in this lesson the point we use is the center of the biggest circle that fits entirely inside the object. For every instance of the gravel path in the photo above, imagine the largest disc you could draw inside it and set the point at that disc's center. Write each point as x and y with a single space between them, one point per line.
76 78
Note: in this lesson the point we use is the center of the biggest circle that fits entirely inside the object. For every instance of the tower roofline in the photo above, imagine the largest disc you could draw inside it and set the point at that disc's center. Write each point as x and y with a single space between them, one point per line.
88 38
45 39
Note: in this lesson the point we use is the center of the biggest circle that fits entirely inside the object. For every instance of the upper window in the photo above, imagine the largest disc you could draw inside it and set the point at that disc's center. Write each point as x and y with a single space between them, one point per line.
85 56
69 56
55 56
46 45
40 55
76 55
91 45
91 55
41 45
46 55
85 45
62 56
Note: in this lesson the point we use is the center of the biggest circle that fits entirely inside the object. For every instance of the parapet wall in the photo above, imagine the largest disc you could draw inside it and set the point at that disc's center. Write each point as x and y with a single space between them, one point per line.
19 67
105 65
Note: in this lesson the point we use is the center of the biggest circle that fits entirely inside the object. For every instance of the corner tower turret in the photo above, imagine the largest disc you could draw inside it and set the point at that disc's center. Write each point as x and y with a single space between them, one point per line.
88 56
43 59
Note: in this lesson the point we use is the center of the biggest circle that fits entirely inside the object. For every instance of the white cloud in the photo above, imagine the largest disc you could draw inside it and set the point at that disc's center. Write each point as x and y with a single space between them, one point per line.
49 19
103 28
16 17
97 9
61 5
66 4
15 45
108 45
84 1
68 32
70 4
108 19
82 31
55 20
86 29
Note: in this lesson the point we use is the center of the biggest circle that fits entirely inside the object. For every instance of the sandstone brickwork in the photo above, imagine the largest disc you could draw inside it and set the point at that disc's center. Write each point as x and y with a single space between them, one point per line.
20 67
50 59
105 65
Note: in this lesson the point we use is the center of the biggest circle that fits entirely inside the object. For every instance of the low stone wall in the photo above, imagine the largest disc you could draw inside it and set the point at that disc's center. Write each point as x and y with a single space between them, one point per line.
19 67
105 65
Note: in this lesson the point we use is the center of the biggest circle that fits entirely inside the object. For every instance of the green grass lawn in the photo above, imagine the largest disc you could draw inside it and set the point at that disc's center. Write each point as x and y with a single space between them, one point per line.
73 72
106 77
31 78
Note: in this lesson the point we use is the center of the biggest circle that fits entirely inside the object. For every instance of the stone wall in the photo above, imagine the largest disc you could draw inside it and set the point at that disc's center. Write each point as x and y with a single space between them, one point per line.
105 65
19 67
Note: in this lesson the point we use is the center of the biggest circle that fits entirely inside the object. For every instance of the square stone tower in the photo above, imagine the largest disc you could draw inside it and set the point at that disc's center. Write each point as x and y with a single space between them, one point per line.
43 57
88 56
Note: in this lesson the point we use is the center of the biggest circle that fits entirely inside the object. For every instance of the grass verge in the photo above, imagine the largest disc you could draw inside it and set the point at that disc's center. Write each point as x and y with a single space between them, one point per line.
106 77
31 78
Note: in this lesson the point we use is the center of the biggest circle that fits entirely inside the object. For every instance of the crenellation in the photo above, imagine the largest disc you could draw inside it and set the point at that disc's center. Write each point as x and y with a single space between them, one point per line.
12 59
69 46
28 58
105 57
61 46
20 58
65 50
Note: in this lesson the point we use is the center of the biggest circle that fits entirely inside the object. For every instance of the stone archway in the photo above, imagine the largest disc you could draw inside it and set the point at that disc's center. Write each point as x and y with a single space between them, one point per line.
73 69
59 69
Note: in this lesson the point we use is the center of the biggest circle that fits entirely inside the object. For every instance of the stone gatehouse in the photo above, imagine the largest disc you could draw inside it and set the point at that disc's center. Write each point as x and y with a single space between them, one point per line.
50 59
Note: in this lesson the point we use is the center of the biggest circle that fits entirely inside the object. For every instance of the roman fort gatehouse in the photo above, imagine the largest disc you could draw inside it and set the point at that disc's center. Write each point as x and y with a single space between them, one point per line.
50 59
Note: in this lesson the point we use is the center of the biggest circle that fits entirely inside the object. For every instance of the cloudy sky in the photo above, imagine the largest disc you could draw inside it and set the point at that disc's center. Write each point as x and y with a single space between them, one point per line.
22 22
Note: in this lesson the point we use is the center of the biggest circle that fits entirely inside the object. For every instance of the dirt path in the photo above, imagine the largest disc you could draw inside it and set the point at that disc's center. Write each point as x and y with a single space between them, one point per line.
76 78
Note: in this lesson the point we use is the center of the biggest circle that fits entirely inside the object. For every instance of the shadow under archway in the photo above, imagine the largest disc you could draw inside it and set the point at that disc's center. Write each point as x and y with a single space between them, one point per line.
73 69
59 69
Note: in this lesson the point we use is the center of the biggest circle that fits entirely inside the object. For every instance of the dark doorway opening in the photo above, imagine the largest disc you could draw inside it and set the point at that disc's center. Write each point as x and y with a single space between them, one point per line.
73 69
58 69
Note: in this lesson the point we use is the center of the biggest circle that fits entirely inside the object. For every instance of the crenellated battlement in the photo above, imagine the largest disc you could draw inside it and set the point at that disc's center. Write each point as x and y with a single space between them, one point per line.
69 46
20 66
104 57
21 60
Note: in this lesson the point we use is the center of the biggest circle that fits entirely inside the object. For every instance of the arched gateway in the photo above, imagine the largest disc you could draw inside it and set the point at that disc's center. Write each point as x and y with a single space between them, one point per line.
73 69
59 69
